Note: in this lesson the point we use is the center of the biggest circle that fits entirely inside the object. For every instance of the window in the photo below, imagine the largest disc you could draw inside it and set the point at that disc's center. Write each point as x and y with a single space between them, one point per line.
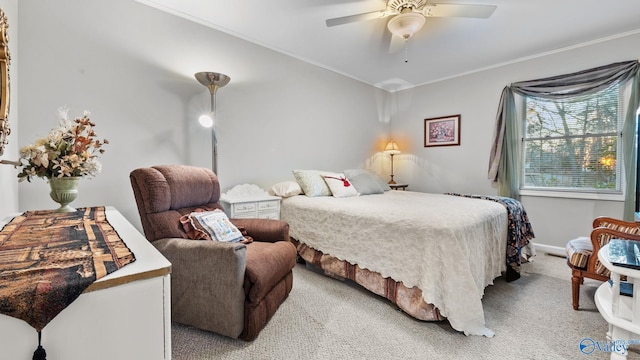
574 144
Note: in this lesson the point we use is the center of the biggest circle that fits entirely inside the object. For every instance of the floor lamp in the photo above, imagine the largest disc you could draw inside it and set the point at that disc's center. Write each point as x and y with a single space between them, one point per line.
392 149
213 81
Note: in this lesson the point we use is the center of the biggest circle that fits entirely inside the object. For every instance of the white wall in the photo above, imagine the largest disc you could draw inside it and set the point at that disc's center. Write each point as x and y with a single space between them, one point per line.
132 66
464 168
8 179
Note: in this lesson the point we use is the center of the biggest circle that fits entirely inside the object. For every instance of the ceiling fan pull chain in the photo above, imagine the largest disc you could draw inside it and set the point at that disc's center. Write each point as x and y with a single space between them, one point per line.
406 51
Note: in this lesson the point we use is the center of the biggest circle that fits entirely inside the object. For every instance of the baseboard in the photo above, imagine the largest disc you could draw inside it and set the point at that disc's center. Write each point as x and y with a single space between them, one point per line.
552 250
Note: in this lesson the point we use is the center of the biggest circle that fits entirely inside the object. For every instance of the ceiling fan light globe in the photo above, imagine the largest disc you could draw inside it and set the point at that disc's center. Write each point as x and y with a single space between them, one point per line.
406 24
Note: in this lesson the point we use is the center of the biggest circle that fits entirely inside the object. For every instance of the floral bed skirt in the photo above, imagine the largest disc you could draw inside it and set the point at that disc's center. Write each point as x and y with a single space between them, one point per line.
407 299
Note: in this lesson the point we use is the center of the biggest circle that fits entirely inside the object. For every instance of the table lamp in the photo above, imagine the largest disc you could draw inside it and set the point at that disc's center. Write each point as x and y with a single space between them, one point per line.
392 149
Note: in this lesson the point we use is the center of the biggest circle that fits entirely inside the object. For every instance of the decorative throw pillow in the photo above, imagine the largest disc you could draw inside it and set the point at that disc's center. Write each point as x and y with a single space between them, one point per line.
365 184
199 233
187 226
312 183
351 173
339 185
217 225
285 189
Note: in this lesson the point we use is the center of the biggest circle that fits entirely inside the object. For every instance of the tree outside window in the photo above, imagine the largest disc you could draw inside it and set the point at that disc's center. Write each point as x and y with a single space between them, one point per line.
573 144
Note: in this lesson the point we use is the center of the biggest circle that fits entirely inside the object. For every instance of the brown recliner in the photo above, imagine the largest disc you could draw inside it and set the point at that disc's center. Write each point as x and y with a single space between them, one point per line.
228 288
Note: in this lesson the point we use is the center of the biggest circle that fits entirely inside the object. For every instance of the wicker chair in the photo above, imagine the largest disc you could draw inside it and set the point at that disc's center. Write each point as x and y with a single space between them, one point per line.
582 253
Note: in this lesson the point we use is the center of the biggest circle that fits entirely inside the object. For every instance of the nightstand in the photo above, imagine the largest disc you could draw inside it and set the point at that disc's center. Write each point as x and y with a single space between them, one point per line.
249 201
398 186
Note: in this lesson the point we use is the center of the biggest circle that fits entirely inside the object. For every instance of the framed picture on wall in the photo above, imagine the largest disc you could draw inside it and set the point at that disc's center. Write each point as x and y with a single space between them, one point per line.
442 131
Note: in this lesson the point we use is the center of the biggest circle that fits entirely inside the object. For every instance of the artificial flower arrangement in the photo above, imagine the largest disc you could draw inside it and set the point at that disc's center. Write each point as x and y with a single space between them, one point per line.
70 150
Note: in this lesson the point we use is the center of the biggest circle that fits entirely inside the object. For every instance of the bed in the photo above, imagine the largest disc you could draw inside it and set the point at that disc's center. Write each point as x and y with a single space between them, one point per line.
430 254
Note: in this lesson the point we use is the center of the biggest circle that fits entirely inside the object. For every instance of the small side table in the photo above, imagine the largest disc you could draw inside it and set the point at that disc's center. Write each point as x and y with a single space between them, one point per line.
621 312
398 186
249 201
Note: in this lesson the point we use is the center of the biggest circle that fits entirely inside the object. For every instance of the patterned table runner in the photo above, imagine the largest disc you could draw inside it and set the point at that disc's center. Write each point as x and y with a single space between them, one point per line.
48 259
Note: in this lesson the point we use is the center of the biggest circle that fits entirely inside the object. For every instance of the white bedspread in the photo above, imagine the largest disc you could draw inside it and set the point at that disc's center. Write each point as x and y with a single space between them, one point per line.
448 246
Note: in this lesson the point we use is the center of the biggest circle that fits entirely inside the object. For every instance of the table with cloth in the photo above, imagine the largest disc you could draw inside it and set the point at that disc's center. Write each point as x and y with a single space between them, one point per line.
48 259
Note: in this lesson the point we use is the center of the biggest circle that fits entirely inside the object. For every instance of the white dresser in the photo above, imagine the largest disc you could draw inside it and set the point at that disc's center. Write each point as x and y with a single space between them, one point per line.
138 296
250 201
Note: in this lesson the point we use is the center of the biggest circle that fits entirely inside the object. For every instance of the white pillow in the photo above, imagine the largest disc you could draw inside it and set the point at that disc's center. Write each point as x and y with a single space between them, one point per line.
312 183
217 225
285 189
339 185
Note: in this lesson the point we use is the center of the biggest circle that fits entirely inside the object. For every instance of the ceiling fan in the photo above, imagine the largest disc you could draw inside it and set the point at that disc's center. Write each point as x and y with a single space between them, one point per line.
409 15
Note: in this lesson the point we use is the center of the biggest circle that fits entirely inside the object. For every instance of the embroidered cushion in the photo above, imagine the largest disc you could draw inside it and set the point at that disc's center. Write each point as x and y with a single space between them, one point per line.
211 225
339 185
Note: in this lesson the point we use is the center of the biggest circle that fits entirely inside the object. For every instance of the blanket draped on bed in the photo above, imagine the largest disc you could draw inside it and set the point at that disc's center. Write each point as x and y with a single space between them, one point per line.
449 247
48 259
518 234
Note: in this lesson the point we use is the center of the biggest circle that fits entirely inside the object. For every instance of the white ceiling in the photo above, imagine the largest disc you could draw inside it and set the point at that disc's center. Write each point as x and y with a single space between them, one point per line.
444 47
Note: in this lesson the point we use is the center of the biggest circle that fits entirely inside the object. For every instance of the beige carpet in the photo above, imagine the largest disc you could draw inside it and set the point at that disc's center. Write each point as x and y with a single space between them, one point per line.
325 318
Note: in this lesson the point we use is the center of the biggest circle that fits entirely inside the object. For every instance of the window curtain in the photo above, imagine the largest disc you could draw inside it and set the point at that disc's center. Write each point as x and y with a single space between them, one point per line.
505 152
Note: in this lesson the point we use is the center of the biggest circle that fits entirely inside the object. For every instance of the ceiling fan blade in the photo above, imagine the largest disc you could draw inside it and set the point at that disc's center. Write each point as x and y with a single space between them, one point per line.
355 18
459 10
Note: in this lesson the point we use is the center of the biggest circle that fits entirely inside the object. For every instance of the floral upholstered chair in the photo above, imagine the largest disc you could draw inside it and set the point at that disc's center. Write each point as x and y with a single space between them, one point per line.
582 253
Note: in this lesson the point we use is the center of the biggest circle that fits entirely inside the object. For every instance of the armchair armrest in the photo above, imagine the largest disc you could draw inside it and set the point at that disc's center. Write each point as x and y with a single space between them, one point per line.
266 230
206 283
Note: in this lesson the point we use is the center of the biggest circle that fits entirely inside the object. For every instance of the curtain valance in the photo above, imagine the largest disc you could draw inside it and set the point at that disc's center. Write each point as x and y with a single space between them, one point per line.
505 151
